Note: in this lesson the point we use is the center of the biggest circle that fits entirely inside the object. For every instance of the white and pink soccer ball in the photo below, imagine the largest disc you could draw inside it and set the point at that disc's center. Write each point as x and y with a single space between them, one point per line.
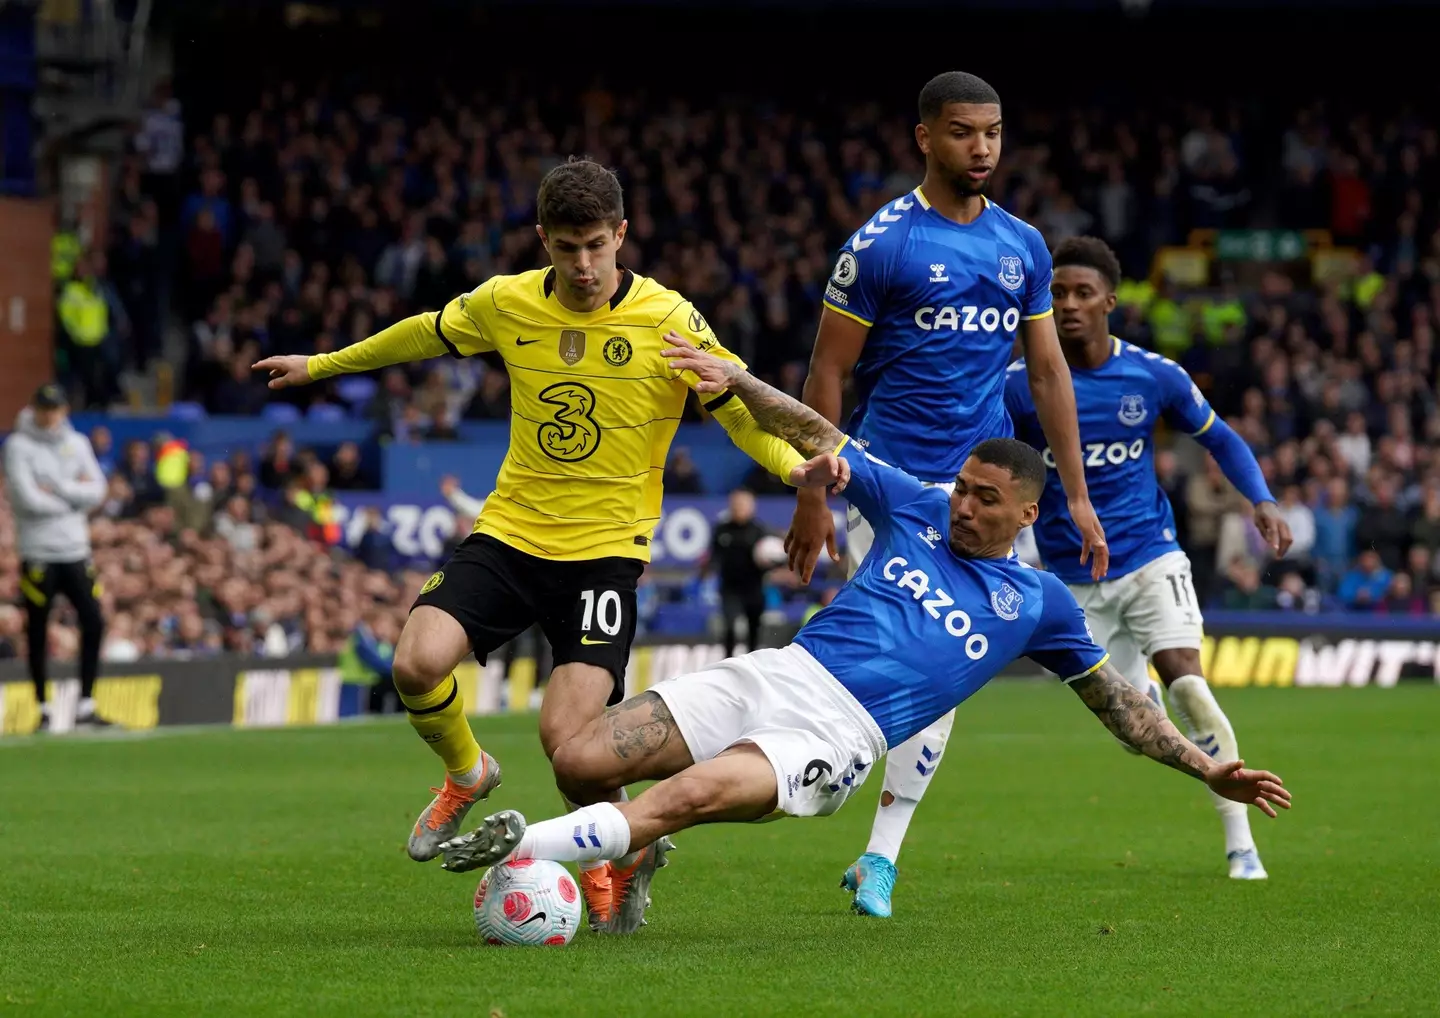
529 902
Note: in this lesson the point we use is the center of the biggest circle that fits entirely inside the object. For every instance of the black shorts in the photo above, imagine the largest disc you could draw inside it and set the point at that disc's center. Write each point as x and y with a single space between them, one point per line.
586 609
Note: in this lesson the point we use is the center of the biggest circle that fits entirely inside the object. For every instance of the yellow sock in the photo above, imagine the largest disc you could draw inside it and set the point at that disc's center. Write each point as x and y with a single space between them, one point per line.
439 717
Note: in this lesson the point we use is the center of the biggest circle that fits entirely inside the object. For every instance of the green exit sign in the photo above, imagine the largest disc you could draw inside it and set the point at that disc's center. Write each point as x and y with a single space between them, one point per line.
1260 245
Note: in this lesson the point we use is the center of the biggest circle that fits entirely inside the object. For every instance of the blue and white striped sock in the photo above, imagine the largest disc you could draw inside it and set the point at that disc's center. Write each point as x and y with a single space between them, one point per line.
590 833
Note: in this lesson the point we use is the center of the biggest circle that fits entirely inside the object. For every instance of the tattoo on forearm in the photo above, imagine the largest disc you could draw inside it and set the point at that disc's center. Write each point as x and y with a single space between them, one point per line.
1131 717
640 726
784 417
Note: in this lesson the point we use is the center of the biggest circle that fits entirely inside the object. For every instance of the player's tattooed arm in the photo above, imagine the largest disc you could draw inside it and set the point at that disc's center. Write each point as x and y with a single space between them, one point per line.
785 418
1133 719
641 726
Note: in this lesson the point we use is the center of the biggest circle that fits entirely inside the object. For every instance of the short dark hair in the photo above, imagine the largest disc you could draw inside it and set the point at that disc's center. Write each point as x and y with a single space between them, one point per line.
1023 462
580 192
955 87
1092 253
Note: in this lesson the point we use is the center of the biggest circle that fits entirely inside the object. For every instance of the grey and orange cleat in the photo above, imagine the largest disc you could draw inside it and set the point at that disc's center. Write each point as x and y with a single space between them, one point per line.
630 887
495 838
441 820
595 884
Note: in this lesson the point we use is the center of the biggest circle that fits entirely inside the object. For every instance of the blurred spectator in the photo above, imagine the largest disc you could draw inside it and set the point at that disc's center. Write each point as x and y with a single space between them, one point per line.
104 446
92 327
682 476
138 473
345 468
1401 597
1293 594
1243 589
277 462
1384 526
1208 498
376 547
1301 521
1365 584
233 525
735 557
1336 520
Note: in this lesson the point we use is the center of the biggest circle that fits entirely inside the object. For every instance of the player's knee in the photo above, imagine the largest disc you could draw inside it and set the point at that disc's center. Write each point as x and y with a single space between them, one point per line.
417 670
583 773
556 732
430 647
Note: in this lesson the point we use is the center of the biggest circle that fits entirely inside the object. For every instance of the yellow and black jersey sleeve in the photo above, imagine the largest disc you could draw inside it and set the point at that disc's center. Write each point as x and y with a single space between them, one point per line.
410 339
774 454
467 325
691 325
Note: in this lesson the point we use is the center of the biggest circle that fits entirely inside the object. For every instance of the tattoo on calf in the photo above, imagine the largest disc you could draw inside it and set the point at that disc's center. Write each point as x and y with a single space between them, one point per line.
641 725
1130 715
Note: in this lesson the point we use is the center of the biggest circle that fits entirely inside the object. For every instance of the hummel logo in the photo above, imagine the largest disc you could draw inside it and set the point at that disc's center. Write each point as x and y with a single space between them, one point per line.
527 922
592 643
937 273
524 342
932 537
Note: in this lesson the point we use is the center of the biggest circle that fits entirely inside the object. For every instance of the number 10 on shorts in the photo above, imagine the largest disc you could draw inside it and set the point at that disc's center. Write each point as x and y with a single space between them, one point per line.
604 611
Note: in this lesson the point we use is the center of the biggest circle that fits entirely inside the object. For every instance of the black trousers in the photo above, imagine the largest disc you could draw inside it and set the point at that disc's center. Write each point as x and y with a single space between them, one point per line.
39 583
741 604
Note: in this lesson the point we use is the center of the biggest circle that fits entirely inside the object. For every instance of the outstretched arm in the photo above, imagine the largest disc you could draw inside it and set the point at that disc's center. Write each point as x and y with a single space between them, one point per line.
412 339
1240 467
808 432
1132 718
1053 392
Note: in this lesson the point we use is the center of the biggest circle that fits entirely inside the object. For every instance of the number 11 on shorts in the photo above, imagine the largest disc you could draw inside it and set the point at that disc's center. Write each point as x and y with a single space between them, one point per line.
606 612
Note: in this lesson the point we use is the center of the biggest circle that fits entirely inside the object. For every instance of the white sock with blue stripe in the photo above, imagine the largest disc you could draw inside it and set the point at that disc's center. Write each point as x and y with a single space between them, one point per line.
591 832
593 864
909 767
1208 727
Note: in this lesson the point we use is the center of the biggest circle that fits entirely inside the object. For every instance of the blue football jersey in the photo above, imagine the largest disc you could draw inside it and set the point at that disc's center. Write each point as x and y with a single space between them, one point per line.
943 302
1119 404
918 629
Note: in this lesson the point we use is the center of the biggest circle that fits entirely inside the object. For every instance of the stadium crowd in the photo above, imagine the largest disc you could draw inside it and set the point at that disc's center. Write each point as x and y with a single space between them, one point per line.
304 220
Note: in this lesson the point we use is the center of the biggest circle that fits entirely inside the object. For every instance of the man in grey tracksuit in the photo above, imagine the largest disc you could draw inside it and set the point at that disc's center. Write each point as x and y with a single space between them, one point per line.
54 481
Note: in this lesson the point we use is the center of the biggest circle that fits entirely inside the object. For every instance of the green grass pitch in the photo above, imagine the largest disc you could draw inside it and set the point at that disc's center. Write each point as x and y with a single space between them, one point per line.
1049 873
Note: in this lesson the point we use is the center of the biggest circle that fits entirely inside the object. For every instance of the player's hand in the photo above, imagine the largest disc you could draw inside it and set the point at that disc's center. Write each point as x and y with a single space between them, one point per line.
286 371
811 528
1260 789
1093 548
1273 528
449 484
824 471
714 373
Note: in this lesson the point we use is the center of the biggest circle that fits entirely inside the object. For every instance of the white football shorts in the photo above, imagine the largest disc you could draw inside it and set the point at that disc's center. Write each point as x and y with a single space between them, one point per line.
820 741
1144 612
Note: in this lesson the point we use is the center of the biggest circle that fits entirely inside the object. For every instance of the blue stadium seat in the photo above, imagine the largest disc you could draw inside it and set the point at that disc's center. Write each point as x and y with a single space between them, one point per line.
281 413
187 411
326 412
356 390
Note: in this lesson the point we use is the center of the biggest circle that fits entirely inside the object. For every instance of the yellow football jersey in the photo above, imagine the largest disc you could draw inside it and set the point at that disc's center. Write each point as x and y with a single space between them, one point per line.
594 407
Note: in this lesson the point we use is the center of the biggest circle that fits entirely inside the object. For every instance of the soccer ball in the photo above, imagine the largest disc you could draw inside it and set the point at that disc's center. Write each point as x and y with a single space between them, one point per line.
770 552
527 902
